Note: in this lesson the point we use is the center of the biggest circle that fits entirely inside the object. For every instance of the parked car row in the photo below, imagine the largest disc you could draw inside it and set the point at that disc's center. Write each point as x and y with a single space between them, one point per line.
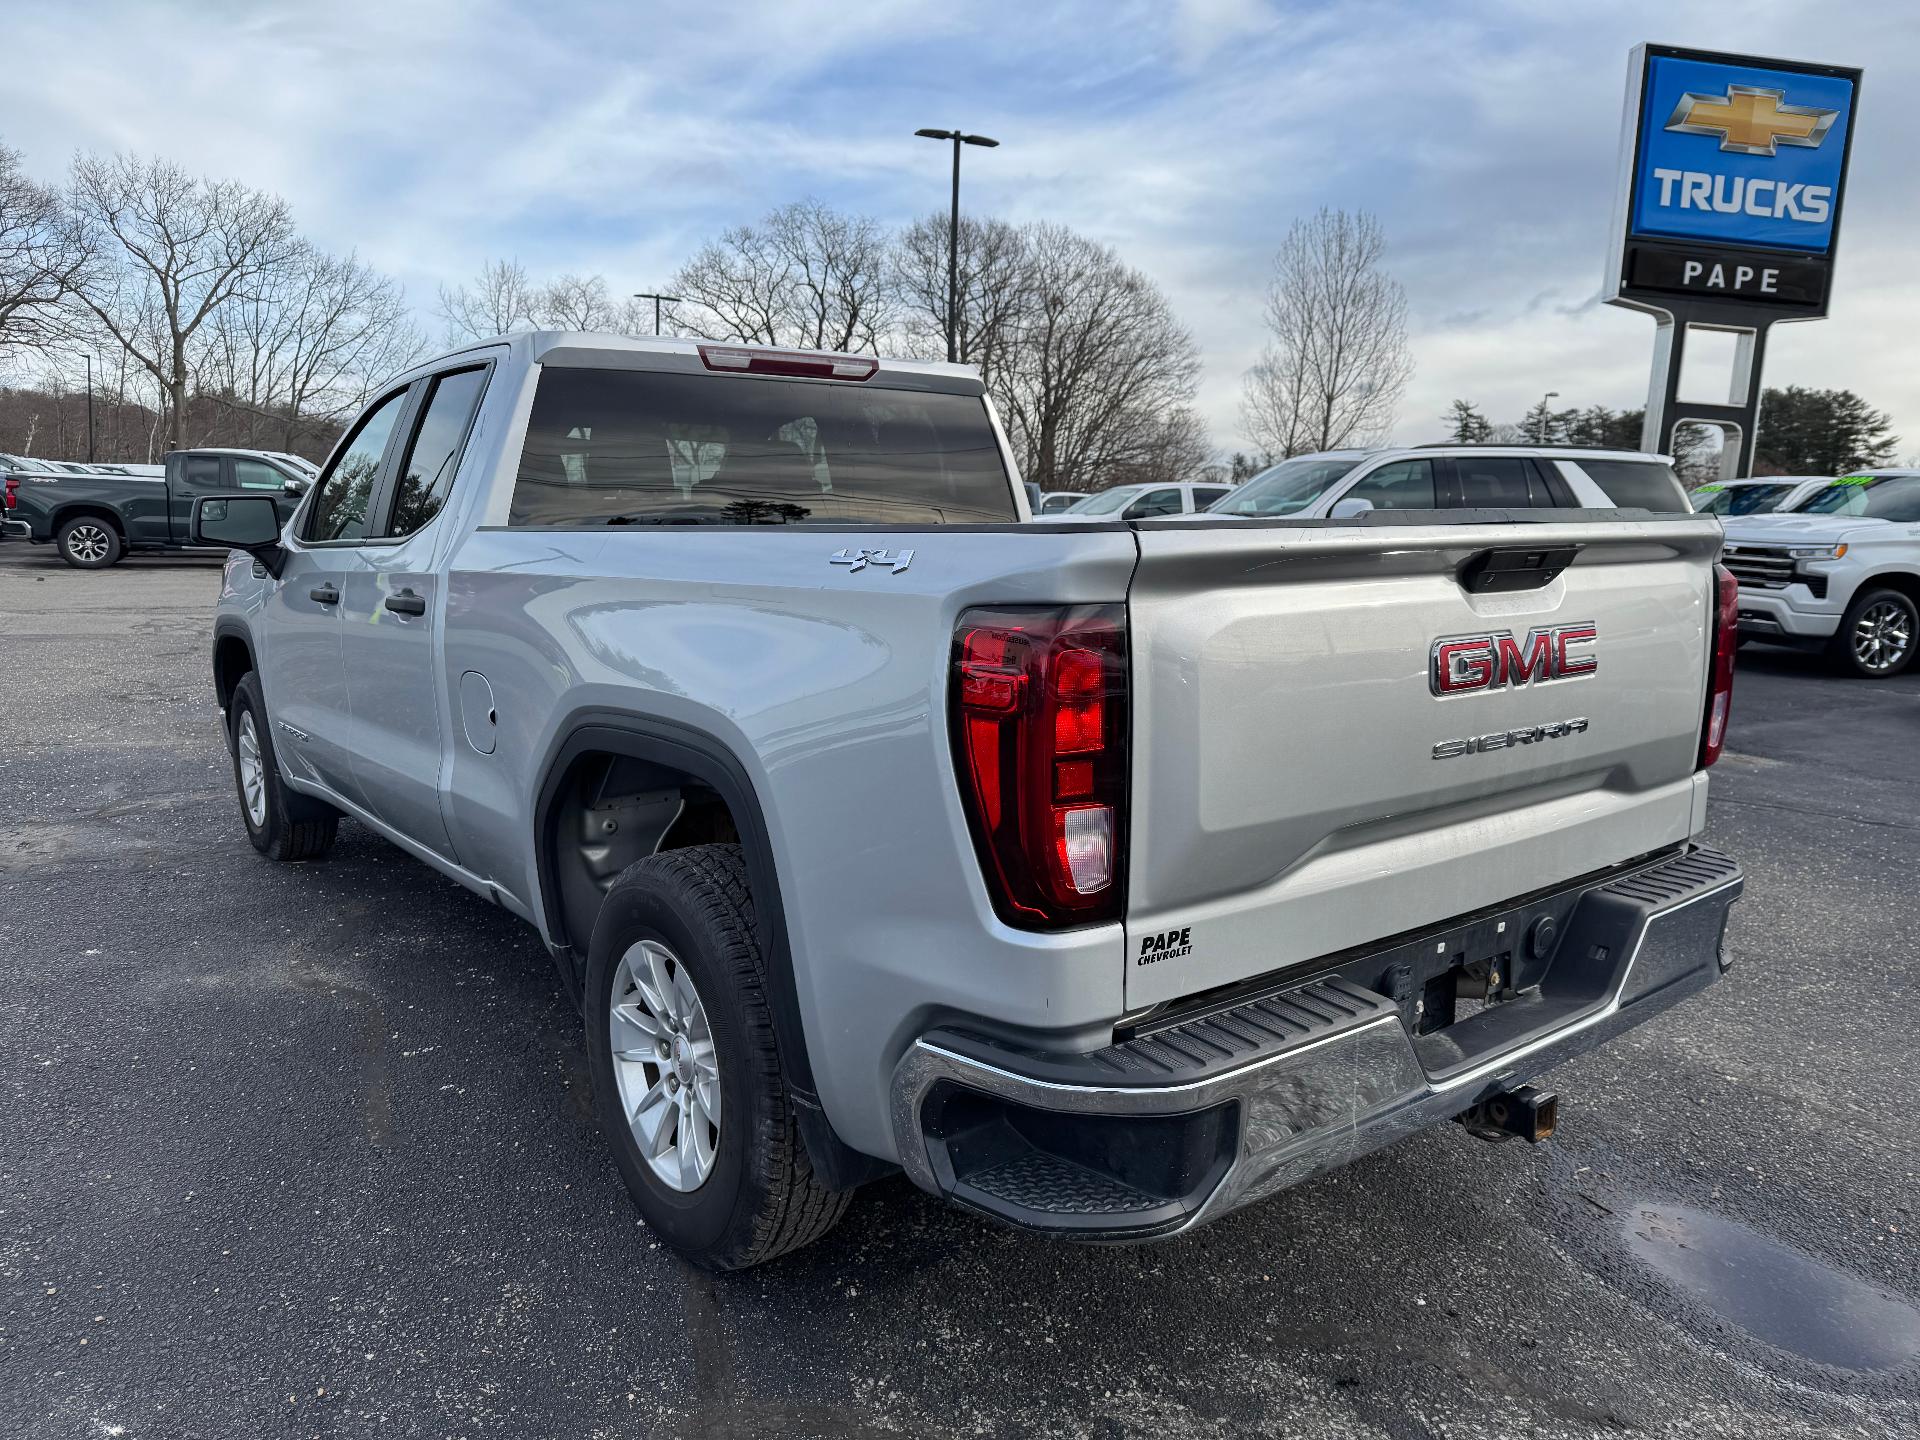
1340 484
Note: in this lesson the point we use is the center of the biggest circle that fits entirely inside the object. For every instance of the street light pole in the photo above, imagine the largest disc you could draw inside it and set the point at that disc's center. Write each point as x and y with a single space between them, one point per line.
656 299
89 359
1541 437
958 138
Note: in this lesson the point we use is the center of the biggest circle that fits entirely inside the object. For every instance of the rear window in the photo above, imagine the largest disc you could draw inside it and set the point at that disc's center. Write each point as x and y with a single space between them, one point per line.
627 447
1638 484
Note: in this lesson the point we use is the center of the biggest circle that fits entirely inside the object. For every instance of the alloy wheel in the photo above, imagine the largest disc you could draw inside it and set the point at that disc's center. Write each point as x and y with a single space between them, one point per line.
665 1065
1882 636
88 543
253 771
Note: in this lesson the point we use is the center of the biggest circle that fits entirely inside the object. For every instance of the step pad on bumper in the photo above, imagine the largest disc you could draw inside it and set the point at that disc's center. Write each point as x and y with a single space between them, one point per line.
1164 1130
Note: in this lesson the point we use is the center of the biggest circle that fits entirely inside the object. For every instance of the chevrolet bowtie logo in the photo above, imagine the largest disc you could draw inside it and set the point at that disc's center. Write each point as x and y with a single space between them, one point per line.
1752 121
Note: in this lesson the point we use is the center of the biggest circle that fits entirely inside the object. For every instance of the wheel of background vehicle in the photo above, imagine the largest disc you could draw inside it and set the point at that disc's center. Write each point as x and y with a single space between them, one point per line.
1877 638
89 543
282 824
686 1074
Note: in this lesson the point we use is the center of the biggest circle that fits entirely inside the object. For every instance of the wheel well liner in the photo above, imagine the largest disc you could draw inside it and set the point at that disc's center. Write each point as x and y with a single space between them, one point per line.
695 753
77 509
1905 581
232 658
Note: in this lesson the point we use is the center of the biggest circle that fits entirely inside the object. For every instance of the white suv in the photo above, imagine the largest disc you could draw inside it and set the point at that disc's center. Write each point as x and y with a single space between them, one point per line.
1337 484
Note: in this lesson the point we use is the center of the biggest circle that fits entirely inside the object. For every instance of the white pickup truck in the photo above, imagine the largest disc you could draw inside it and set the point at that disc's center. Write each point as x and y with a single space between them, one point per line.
1839 574
1102 877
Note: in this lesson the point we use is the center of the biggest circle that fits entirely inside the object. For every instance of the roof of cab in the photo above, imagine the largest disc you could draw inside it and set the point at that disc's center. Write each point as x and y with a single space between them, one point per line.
590 349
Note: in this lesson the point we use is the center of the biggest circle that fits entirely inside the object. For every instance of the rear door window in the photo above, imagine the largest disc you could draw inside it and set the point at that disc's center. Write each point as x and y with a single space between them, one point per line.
1498 482
630 447
1638 484
1205 495
1400 485
201 473
426 475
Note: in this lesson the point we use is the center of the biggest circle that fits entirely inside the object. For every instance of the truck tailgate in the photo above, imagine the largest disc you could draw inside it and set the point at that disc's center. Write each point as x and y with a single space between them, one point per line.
1294 789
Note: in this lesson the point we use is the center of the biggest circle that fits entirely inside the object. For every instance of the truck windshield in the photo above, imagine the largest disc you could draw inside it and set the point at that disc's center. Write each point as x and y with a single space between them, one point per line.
1739 499
1107 501
1871 497
1290 486
634 447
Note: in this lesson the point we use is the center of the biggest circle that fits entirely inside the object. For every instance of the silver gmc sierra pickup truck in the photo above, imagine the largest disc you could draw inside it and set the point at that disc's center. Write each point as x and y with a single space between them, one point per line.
1102 877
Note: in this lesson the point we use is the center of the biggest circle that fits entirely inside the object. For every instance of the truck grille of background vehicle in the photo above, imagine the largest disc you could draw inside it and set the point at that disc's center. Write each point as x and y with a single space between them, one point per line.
1760 569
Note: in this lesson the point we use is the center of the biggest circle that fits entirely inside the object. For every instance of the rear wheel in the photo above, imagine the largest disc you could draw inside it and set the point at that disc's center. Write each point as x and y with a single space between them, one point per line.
89 543
282 824
686 1071
1878 636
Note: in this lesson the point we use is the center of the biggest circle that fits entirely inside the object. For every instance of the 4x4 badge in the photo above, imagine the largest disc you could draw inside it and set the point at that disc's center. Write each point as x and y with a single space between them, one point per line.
858 560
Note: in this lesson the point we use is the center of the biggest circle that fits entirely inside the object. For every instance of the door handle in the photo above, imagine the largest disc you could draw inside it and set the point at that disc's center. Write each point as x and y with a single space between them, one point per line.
325 594
405 602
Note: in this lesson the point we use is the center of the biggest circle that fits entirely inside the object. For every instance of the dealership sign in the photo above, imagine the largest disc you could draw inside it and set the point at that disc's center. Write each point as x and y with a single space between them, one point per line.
1733 174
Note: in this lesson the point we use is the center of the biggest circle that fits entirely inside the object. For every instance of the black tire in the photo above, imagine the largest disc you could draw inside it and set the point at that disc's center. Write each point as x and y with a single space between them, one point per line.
760 1200
1897 622
288 825
88 542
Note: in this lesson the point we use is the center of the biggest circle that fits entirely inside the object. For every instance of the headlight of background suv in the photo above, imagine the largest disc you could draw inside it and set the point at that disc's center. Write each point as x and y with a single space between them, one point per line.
1817 552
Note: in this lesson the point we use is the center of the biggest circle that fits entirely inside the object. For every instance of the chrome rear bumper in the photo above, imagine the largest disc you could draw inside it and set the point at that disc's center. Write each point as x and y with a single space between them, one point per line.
1166 1131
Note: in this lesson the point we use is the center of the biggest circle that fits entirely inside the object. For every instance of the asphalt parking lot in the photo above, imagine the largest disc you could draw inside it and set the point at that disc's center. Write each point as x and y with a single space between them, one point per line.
306 1150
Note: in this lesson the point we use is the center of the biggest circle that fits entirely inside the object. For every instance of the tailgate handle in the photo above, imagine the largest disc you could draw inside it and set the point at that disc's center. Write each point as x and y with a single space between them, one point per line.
1518 567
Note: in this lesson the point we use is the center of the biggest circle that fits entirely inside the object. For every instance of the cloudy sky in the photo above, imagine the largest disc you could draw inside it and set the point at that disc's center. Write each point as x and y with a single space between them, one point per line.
1188 134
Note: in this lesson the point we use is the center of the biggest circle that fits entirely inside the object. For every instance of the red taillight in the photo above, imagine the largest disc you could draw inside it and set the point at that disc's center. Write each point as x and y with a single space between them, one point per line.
1040 740
805 364
1726 642
13 487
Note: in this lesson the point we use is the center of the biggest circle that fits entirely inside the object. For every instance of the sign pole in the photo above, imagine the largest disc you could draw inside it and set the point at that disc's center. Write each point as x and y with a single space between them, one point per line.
1732 173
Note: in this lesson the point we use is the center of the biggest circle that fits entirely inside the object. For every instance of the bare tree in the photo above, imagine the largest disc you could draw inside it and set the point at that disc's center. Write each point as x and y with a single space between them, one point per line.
806 275
303 349
499 302
996 288
578 302
1337 362
168 252
1097 365
42 256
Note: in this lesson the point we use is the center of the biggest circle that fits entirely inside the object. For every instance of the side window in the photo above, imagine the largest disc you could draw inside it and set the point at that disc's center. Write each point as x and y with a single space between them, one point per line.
339 509
1206 495
1638 484
1495 483
257 475
1402 485
200 472
1154 502
427 473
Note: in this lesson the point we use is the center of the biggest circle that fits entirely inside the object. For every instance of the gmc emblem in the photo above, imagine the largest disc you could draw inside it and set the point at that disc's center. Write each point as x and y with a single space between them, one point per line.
1463 664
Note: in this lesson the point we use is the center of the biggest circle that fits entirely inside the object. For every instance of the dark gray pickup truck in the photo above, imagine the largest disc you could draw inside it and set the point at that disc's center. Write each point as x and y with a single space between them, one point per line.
96 518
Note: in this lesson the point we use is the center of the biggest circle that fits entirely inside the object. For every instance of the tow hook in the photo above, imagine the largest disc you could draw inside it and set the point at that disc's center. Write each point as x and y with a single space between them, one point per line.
1527 1112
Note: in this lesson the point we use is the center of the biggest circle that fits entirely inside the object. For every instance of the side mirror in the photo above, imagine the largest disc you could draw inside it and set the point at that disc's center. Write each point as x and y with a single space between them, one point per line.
294 488
1347 509
239 522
